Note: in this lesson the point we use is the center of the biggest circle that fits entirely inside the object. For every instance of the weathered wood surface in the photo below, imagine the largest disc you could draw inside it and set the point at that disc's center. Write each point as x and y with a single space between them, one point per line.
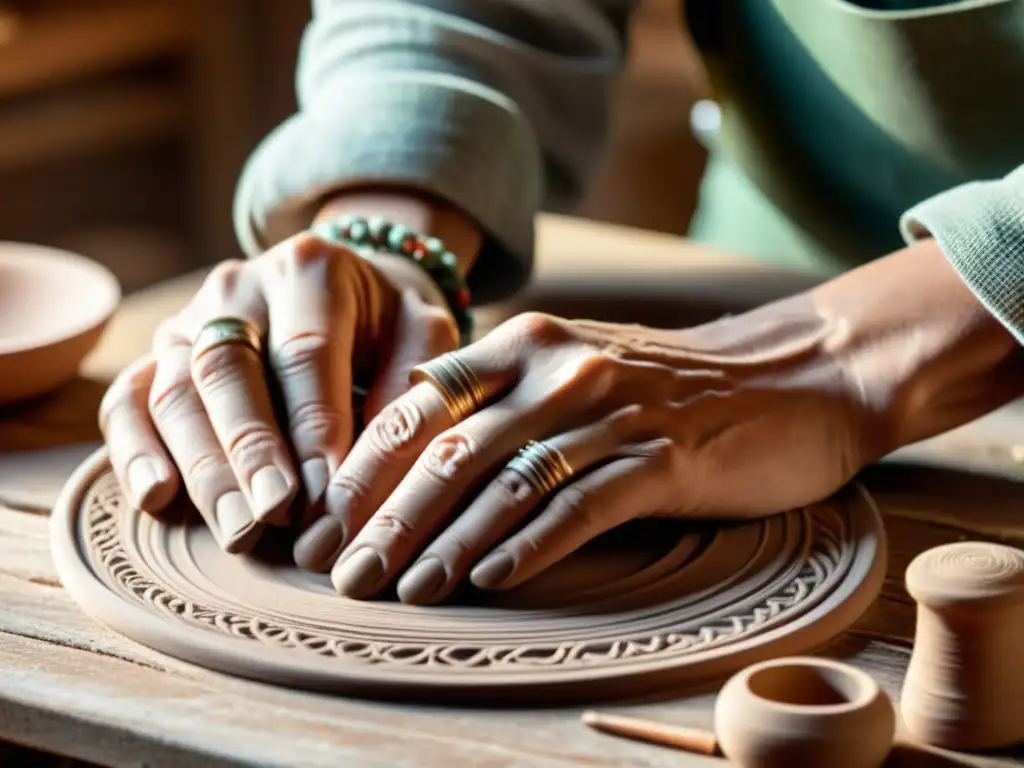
72 687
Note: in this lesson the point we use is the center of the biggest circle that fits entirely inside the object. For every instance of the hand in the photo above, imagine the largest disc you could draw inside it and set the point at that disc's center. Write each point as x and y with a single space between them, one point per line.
746 416
329 318
740 418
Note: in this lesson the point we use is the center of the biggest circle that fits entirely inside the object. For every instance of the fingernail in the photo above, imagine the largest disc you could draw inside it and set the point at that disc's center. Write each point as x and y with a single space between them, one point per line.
269 491
492 570
315 477
233 516
422 581
318 548
145 482
359 574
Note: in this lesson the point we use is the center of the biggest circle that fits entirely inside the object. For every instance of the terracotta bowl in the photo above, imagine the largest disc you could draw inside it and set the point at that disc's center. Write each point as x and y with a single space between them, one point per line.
54 306
804 712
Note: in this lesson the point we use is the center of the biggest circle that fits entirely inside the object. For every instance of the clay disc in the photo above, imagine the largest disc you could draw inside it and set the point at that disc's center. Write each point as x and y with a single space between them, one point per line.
653 605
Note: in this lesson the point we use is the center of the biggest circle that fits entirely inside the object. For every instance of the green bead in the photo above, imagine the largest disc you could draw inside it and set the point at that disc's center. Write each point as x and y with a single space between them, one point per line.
434 246
358 231
449 260
397 236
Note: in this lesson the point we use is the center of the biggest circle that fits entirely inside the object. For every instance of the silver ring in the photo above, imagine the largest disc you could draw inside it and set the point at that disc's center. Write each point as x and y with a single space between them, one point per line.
226 330
542 466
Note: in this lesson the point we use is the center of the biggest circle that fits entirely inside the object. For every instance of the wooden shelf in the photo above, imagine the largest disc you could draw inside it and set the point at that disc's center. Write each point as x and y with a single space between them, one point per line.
106 117
41 48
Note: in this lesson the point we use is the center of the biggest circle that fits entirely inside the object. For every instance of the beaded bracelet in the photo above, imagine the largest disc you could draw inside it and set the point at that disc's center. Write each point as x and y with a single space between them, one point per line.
379 235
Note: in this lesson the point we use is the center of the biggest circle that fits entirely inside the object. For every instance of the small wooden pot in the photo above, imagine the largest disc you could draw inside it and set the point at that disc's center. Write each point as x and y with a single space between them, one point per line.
804 712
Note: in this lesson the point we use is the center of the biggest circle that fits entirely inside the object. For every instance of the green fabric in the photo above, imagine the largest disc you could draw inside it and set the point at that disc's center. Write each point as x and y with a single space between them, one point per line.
838 117
820 119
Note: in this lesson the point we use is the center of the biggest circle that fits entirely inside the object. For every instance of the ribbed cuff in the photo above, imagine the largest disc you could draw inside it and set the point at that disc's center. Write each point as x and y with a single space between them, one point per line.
980 228
443 134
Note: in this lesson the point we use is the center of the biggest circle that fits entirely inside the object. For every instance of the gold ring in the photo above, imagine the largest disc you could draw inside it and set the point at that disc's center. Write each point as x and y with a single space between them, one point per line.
226 330
458 386
541 465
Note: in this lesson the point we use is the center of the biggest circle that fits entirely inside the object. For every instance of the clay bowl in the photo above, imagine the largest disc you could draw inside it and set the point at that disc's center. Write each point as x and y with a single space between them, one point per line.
804 712
54 306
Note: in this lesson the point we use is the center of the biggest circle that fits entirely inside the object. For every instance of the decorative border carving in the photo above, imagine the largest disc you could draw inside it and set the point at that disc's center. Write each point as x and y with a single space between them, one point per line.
104 510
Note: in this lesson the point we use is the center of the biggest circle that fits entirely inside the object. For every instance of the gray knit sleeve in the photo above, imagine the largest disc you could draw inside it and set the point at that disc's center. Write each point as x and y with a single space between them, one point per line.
980 228
498 106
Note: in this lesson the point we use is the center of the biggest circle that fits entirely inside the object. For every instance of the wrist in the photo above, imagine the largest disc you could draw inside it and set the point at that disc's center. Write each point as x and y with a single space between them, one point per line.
415 209
404 257
916 345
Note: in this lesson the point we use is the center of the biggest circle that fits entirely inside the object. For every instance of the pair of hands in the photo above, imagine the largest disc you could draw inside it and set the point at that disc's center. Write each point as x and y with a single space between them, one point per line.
743 417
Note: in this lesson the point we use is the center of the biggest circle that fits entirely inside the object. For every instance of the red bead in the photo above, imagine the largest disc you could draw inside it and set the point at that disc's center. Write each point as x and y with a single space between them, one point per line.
463 297
409 245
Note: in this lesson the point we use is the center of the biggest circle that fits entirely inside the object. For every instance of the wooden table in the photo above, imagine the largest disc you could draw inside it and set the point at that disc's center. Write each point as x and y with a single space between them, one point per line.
69 686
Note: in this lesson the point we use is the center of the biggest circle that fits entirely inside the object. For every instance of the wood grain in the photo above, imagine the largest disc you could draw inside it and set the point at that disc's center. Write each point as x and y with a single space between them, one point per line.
70 686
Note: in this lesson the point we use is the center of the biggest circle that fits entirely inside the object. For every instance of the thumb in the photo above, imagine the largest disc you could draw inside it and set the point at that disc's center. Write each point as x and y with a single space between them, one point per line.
422 332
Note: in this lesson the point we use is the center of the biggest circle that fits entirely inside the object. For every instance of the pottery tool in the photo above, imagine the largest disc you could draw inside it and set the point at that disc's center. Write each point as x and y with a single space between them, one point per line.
695 740
965 674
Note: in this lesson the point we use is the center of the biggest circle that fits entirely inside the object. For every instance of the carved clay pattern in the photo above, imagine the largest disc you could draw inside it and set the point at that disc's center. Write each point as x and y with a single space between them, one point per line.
652 606
105 507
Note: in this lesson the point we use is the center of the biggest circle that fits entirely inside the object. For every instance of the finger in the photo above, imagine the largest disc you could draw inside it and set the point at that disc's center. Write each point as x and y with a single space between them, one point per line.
310 349
633 486
422 333
232 385
137 456
386 451
502 506
450 465
181 419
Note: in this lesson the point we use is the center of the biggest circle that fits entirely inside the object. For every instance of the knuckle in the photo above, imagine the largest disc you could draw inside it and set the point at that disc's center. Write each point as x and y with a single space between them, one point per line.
447 457
354 489
577 505
663 453
398 429
595 369
224 278
538 328
167 335
204 470
171 394
251 442
439 331
126 389
316 418
514 486
392 526
629 420
590 375
215 367
454 547
300 352
308 249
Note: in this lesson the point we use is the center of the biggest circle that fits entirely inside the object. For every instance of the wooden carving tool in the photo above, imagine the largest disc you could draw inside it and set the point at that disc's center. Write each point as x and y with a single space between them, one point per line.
694 740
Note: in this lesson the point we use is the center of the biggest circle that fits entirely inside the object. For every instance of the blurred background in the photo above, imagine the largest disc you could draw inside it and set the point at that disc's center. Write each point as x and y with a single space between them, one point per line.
124 124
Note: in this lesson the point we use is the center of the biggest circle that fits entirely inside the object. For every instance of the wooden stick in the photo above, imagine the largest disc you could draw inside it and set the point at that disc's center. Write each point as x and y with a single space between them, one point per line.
687 739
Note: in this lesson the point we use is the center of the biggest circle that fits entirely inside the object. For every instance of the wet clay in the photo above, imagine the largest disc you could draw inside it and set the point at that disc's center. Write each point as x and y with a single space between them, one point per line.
804 712
965 677
653 605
